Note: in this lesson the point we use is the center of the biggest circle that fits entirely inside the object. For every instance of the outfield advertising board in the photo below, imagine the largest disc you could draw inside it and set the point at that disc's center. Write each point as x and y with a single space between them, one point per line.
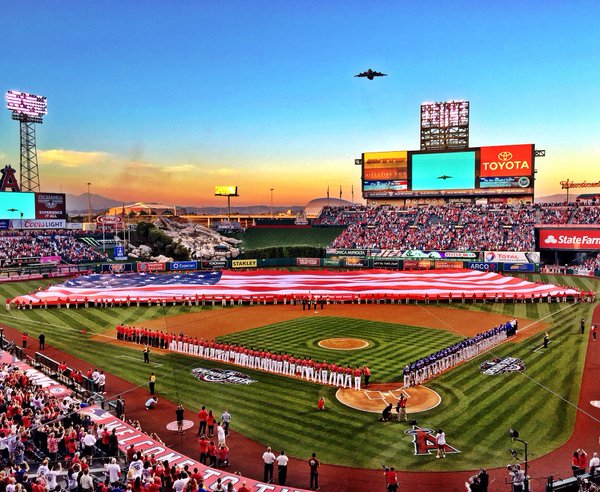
315 262
217 264
359 253
484 267
448 265
117 267
356 262
253 263
570 239
150 266
511 256
385 263
182 265
518 267
417 264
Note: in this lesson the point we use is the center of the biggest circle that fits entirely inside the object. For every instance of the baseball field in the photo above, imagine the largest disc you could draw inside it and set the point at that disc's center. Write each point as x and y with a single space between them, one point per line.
475 409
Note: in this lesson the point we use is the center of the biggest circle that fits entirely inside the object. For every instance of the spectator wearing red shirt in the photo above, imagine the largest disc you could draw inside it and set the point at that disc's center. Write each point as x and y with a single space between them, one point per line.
391 480
203 442
203 418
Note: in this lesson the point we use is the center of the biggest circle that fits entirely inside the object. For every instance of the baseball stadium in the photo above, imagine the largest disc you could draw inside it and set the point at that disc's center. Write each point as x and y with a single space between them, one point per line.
438 333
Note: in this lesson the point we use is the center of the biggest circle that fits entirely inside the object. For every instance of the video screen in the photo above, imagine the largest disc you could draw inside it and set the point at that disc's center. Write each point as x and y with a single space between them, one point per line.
443 171
380 166
13 203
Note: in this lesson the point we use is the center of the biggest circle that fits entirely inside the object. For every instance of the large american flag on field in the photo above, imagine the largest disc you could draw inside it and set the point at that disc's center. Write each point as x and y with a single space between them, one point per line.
267 284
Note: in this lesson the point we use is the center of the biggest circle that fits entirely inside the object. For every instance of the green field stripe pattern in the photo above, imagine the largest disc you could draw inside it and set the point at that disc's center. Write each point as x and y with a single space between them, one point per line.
475 412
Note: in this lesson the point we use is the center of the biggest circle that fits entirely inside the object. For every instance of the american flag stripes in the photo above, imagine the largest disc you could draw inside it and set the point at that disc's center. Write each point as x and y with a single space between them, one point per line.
271 284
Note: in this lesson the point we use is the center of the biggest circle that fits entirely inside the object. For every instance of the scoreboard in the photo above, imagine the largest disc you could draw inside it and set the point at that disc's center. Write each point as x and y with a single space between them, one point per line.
502 170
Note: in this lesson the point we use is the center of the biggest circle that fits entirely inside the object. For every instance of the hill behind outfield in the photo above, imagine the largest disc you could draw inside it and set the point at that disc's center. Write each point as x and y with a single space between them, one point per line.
260 238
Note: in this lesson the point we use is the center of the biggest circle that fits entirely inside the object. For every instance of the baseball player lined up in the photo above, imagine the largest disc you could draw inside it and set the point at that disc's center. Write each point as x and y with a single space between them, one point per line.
429 367
327 373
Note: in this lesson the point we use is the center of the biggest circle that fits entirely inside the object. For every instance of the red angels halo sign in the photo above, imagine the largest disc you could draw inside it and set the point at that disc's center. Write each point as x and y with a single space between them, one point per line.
506 160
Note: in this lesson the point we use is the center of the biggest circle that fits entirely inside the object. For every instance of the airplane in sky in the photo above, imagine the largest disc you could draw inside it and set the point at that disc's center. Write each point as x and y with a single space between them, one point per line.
371 74
444 177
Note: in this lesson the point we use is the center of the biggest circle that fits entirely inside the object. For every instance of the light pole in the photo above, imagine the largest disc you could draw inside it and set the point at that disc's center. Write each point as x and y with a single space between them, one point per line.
272 202
89 203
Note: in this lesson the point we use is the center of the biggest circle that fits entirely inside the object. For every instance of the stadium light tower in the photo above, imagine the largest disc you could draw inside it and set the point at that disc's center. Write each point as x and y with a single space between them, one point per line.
28 109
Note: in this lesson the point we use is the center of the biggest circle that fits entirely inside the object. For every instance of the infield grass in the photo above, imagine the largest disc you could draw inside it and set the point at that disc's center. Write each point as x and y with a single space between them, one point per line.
475 412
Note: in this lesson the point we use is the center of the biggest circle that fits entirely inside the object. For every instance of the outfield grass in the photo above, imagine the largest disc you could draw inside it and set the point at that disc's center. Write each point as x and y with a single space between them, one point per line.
319 237
475 412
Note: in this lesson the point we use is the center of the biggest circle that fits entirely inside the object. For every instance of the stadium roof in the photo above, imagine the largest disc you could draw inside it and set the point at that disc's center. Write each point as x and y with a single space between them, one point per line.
314 207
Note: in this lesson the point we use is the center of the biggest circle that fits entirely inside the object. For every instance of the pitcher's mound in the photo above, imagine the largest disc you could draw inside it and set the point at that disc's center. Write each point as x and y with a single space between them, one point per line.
343 343
375 398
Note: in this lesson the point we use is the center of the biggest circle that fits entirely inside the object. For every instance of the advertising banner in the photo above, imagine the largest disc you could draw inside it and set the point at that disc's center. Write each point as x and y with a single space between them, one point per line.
506 160
109 222
570 239
117 267
244 263
75 225
417 253
417 264
385 186
505 182
356 262
217 264
38 224
50 259
385 263
315 262
328 262
511 257
150 266
359 253
448 265
50 206
183 265
518 267
484 267
119 253
4 224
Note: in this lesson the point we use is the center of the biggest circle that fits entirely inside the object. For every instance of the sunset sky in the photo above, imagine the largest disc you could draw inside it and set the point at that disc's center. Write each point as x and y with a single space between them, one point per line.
161 101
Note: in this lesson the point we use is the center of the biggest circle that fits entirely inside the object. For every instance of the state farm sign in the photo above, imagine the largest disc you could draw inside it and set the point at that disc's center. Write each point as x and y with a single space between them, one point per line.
506 160
572 239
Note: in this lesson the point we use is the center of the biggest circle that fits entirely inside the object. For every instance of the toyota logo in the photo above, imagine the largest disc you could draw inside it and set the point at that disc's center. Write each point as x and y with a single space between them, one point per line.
505 156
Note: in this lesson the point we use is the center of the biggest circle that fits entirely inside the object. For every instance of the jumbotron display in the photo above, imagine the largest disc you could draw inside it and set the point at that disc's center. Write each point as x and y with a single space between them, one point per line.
477 172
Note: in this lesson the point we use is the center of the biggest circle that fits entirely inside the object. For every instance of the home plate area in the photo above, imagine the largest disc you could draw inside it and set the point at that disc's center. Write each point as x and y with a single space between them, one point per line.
378 396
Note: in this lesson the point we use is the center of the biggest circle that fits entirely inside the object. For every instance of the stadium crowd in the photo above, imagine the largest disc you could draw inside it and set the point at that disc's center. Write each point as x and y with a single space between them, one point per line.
458 227
20 247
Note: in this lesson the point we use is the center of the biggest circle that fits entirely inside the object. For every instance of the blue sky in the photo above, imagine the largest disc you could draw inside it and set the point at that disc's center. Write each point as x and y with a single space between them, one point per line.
164 100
